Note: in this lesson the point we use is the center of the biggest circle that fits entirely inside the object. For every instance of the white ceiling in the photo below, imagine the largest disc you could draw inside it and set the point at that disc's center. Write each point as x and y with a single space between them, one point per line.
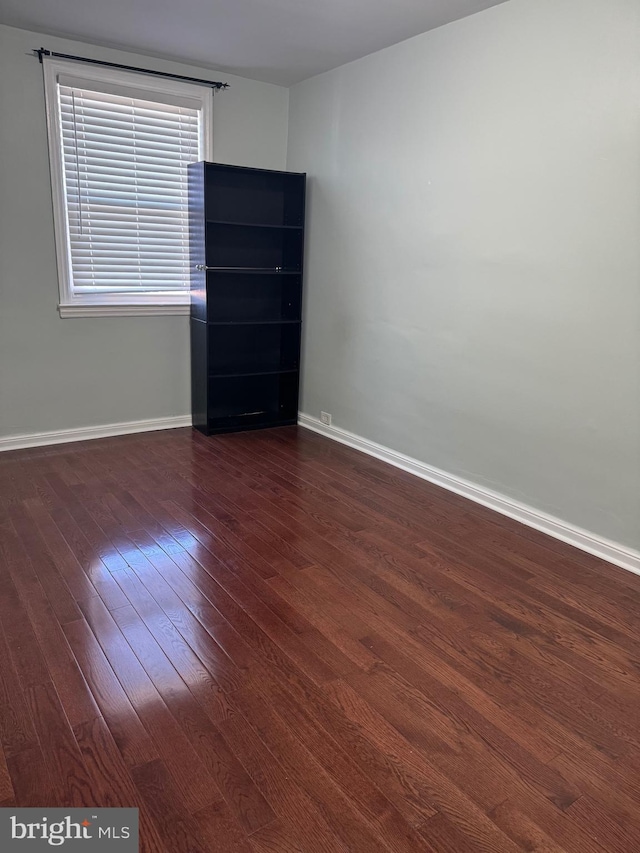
279 41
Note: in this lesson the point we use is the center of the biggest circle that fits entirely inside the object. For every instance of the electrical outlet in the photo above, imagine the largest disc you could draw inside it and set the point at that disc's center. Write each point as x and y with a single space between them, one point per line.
325 417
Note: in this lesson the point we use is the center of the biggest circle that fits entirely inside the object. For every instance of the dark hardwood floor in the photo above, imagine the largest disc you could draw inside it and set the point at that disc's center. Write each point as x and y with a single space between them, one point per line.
269 642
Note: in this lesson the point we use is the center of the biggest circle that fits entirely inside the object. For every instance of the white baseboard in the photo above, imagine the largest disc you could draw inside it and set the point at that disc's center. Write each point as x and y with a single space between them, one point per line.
40 439
613 552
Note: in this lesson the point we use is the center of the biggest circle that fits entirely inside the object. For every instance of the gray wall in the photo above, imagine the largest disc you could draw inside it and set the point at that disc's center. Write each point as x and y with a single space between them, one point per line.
473 287
58 374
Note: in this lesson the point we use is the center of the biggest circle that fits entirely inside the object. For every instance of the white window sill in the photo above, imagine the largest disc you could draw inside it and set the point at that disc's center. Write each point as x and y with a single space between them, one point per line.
122 310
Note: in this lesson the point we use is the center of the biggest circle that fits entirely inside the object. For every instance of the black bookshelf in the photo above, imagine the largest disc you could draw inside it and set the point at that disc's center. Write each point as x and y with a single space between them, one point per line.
246 247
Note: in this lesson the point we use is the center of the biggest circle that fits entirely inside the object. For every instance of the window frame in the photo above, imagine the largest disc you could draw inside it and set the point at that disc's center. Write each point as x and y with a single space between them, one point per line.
72 304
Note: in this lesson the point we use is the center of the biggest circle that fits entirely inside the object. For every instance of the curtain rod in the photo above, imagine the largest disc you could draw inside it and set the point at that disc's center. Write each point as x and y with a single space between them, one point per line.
40 52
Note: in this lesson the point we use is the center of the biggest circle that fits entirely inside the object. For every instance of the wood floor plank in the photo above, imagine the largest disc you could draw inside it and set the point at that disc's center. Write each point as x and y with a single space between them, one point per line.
243 798
124 724
358 822
177 829
17 732
612 831
98 579
446 837
270 642
426 783
519 757
22 643
278 837
172 583
606 782
113 781
44 557
33 784
258 618
193 672
345 772
73 692
68 555
6 786
521 829
334 725
62 757
536 816
178 757
219 831
310 824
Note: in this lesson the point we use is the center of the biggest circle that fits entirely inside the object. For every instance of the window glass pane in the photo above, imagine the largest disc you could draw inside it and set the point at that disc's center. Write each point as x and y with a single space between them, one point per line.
125 172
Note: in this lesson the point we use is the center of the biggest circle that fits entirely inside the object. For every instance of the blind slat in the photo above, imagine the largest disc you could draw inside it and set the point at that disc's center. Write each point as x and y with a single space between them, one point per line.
158 160
161 145
116 95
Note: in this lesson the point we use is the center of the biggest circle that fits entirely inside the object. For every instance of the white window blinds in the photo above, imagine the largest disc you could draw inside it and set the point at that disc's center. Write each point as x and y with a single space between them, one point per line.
125 155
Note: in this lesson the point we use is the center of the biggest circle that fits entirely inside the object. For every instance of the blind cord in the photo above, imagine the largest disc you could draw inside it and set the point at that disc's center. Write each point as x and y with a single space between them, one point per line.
77 159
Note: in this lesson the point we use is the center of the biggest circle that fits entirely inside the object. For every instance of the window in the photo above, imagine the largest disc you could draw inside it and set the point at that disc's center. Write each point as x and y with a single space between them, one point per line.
120 143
